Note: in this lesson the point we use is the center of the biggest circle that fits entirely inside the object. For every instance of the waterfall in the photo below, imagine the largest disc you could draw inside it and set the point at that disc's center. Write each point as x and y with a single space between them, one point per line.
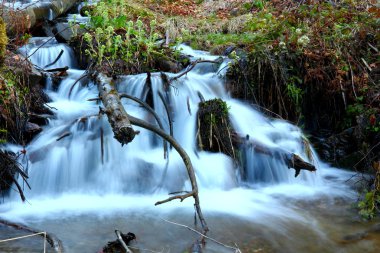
75 166
89 159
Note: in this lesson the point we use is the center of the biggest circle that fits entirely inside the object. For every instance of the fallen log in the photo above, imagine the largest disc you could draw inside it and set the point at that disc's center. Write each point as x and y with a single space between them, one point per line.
117 116
292 160
28 15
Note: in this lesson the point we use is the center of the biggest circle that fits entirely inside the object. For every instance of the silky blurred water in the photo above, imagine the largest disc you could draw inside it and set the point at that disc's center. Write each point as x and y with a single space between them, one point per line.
86 185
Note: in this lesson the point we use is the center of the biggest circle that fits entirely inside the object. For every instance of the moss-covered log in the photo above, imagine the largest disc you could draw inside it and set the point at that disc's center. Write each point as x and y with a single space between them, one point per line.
214 130
117 116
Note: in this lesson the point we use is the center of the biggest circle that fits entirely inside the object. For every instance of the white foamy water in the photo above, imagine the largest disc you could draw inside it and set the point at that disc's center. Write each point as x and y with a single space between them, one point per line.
89 173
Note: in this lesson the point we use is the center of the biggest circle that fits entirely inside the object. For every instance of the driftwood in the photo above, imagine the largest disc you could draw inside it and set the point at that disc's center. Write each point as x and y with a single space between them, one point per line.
188 164
54 242
117 116
292 160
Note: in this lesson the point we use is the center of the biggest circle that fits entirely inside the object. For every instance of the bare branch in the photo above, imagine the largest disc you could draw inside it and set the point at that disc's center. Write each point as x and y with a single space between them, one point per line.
187 162
54 242
122 242
203 235
149 109
190 68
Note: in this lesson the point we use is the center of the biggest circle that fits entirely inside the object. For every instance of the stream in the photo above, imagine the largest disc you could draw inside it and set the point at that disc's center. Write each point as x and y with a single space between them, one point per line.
82 191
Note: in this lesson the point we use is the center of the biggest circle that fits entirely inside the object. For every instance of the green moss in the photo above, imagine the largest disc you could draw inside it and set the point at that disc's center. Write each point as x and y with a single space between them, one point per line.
3 39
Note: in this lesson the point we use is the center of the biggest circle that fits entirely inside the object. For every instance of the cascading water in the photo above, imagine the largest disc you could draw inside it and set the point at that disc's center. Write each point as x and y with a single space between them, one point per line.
87 178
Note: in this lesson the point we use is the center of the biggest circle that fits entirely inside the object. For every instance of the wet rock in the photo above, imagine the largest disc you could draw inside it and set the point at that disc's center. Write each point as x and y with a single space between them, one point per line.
115 246
355 237
340 149
32 128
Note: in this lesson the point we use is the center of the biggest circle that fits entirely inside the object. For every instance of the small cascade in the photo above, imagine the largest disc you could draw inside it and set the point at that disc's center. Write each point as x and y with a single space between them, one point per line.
87 156
43 51
75 166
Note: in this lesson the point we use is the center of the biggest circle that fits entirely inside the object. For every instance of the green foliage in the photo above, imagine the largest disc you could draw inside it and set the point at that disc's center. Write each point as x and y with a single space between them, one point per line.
368 206
113 36
294 91
3 136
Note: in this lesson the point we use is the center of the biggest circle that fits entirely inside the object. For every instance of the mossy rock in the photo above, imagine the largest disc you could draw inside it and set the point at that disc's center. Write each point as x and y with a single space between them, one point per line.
214 127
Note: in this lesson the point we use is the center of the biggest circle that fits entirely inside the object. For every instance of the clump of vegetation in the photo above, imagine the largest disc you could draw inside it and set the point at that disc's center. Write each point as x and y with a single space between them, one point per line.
214 128
13 106
122 38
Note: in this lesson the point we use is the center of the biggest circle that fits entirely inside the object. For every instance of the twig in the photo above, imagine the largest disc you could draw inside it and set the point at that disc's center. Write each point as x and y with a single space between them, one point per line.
366 64
54 242
65 134
203 235
43 44
57 69
352 79
201 97
56 59
366 154
122 241
188 105
170 121
149 109
102 144
374 48
190 67
80 78
181 197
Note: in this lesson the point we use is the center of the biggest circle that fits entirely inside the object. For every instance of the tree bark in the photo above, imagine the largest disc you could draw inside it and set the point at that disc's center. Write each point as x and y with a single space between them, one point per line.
117 116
